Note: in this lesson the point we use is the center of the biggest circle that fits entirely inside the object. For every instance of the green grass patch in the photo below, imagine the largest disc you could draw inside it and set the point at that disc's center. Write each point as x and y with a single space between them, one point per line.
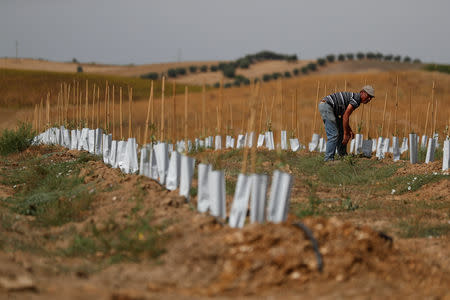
413 228
412 183
132 240
50 190
14 141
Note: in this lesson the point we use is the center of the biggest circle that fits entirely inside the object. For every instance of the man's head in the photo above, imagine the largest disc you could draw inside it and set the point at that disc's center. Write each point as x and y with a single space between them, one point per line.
367 93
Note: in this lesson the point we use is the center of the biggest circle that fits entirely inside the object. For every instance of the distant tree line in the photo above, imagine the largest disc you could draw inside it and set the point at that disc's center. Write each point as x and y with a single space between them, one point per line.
229 68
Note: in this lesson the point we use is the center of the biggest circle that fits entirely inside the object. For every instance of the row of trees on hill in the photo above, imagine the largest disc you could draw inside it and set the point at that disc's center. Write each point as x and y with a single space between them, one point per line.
229 68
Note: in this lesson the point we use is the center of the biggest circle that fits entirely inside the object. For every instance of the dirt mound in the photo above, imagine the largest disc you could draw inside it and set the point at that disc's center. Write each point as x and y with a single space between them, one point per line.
219 259
422 168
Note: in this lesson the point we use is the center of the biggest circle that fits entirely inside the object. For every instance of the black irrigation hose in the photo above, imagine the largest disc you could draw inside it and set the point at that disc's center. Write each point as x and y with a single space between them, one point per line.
314 243
386 237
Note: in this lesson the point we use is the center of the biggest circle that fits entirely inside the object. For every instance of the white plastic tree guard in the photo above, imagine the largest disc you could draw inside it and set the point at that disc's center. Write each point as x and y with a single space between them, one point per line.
430 150
352 146
121 152
358 143
240 141
91 140
218 143
113 154
249 139
386 146
367 148
404 146
239 206
269 140
423 143
83 143
322 145
284 145
196 144
260 141
187 172
201 143
314 142
98 141
446 155
181 147
258 198
56 140
154 173
395 148
144 165
216 189
295 145
210 142
412 148
227 142
436 137
374 145
203 201
232 143
73 140
170 148
162 158
106 142
130 165
66 138
280 192
173 174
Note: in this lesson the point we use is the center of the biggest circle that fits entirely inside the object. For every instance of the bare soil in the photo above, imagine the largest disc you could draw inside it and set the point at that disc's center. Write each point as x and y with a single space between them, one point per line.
204 258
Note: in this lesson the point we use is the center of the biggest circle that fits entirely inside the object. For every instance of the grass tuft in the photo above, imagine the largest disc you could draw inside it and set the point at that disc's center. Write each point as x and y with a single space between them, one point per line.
14 141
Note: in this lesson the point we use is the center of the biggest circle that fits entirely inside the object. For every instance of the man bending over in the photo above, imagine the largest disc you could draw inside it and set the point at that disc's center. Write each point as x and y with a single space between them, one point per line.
335 110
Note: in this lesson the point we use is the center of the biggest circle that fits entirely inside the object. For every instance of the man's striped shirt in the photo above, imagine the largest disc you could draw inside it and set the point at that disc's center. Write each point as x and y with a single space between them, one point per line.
340 101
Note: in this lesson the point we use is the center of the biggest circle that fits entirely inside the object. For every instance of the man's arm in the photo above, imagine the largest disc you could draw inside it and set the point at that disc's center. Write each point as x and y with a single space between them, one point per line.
348 133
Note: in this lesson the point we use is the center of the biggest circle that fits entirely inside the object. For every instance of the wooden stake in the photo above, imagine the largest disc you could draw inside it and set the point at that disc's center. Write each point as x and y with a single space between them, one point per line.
48 110
87 106
93 109
106 107
150 99
40 116
426 119
186 118
121 113
261 117
162 110
433 110
410 96
174 113
130 107
231 117
384 113
368 122
219 116
395 109
113 114
296 113
389 125
204 110
98 107
315 108
435 117
36 112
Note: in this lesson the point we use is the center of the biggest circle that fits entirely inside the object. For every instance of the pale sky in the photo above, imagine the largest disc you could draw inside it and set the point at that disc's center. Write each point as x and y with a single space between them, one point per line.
139 32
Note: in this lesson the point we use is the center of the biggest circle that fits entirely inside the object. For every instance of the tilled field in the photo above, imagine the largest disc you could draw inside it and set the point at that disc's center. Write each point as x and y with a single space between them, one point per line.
136 240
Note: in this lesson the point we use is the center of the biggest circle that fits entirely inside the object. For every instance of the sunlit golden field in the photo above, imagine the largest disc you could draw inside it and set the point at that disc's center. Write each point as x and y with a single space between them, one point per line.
287 104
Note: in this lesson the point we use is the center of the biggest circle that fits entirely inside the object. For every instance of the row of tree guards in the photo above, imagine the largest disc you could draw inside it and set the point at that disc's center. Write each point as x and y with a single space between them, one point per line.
77 106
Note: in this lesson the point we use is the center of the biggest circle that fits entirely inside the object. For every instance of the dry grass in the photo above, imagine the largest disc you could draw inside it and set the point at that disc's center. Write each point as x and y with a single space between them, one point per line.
276 106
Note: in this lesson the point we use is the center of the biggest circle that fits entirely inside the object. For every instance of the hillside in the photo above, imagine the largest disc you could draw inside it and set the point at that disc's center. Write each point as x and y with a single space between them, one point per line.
256 70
